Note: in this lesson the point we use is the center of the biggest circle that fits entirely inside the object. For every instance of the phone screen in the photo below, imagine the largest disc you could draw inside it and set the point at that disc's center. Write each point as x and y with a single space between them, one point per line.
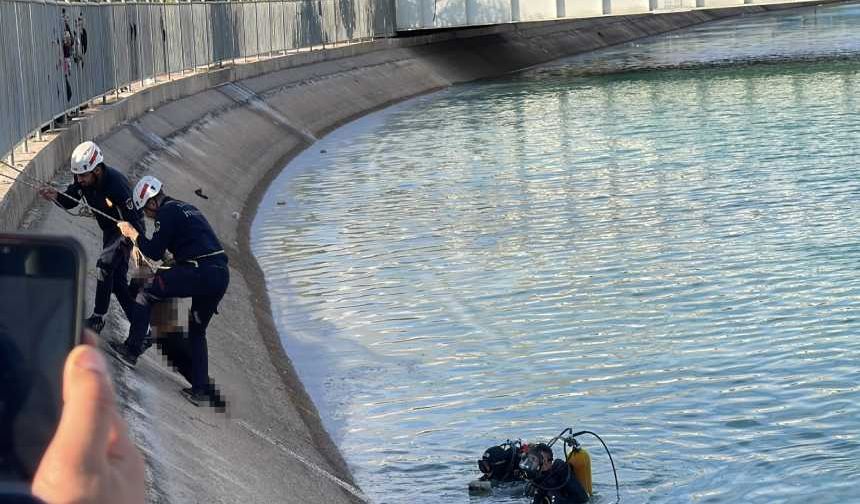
40 317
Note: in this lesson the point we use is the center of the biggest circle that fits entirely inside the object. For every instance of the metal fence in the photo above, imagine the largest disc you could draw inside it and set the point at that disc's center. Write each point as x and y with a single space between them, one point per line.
56 56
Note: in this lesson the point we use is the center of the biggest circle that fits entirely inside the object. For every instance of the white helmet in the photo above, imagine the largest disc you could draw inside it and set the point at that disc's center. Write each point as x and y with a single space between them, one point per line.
146 188
86 157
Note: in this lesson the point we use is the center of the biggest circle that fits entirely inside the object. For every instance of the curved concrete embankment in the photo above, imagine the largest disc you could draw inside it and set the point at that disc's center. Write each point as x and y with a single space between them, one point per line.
229 132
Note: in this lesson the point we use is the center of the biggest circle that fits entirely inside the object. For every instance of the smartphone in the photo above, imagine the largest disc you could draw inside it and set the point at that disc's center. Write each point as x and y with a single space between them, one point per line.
41 312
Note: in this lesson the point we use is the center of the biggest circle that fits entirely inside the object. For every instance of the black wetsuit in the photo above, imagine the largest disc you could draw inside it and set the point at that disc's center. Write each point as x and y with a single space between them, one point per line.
558 486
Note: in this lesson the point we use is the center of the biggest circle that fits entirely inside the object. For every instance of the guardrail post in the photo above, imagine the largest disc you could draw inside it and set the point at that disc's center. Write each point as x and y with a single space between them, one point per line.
284 27
166 45
152 43
193 39
205 35
244 33
139 44
113 53
232 37
210 30
23 114
257 29
181 40
271 30
104 77
35 72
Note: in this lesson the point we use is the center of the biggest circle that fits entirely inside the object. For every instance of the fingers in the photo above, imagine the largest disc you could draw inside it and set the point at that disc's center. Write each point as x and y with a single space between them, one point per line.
88 337
89 407
91 458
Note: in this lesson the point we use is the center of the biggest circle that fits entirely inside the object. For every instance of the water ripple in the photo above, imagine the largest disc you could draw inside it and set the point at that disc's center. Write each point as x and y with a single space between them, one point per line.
653 242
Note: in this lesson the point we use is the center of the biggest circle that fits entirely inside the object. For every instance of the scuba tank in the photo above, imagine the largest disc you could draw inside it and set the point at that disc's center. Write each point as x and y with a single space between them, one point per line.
580 462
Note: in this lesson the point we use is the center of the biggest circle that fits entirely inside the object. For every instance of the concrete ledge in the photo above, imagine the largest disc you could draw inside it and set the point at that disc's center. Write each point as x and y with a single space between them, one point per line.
229 132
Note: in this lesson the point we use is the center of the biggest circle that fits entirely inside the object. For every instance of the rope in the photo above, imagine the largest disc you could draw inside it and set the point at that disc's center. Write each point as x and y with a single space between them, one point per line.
21 172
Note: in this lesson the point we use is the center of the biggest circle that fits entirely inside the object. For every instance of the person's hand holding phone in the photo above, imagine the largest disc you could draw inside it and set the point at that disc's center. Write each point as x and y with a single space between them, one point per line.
61 435
91 457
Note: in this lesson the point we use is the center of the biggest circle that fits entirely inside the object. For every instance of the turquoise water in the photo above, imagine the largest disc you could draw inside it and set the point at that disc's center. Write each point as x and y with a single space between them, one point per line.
656 242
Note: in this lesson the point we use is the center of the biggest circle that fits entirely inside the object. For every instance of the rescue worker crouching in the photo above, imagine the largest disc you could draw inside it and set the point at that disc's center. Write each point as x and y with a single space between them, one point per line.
106 190
552 479
200 272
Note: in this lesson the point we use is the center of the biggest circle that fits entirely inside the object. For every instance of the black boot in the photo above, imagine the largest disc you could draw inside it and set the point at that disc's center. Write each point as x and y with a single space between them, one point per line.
124 353
96 323
196 398
211 398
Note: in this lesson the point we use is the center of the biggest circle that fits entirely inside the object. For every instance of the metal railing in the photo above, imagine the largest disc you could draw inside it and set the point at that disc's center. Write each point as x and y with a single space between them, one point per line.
56 56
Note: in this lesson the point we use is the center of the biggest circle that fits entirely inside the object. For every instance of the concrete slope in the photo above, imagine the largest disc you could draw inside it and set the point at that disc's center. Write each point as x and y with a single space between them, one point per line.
228 133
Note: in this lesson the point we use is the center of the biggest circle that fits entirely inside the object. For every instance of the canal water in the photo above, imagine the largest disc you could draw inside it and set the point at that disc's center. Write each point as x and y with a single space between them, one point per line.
657 242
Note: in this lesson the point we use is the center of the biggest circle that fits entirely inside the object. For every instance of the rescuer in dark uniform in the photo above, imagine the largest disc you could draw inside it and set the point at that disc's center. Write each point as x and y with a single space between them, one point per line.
200 272
106 190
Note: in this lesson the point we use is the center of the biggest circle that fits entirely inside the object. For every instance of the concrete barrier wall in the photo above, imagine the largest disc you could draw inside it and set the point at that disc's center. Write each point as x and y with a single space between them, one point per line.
483 12
664 5
431 14
228 133
720 3
533 10
629 7
582 8
451 13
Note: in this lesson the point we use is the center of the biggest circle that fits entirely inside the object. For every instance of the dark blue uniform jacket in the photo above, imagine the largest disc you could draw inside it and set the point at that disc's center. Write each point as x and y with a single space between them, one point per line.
181 229
111 195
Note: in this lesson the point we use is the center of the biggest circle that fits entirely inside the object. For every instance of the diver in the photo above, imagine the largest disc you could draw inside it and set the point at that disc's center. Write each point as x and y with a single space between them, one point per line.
501 463
552 479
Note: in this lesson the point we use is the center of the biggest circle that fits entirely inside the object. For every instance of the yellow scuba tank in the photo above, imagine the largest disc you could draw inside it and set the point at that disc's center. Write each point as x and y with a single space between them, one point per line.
580 461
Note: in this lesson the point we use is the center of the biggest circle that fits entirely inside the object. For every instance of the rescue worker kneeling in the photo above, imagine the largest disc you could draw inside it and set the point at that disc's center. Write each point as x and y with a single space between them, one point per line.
553 479
200 273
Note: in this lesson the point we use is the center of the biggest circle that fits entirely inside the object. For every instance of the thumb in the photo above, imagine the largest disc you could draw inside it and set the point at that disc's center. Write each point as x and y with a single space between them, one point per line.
89 407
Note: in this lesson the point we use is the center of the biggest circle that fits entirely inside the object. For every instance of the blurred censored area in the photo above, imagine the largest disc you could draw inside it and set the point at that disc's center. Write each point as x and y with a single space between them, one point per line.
169 324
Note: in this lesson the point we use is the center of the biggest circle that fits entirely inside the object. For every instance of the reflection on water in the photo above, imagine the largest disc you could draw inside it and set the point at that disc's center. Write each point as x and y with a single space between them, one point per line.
667 258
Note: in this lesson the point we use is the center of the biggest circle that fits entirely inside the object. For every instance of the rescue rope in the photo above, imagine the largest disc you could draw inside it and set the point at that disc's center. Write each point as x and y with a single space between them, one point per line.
21 172
86 210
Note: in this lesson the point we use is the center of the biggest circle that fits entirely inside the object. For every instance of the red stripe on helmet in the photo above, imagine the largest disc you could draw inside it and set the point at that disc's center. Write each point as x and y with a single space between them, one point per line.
143 190
93 158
